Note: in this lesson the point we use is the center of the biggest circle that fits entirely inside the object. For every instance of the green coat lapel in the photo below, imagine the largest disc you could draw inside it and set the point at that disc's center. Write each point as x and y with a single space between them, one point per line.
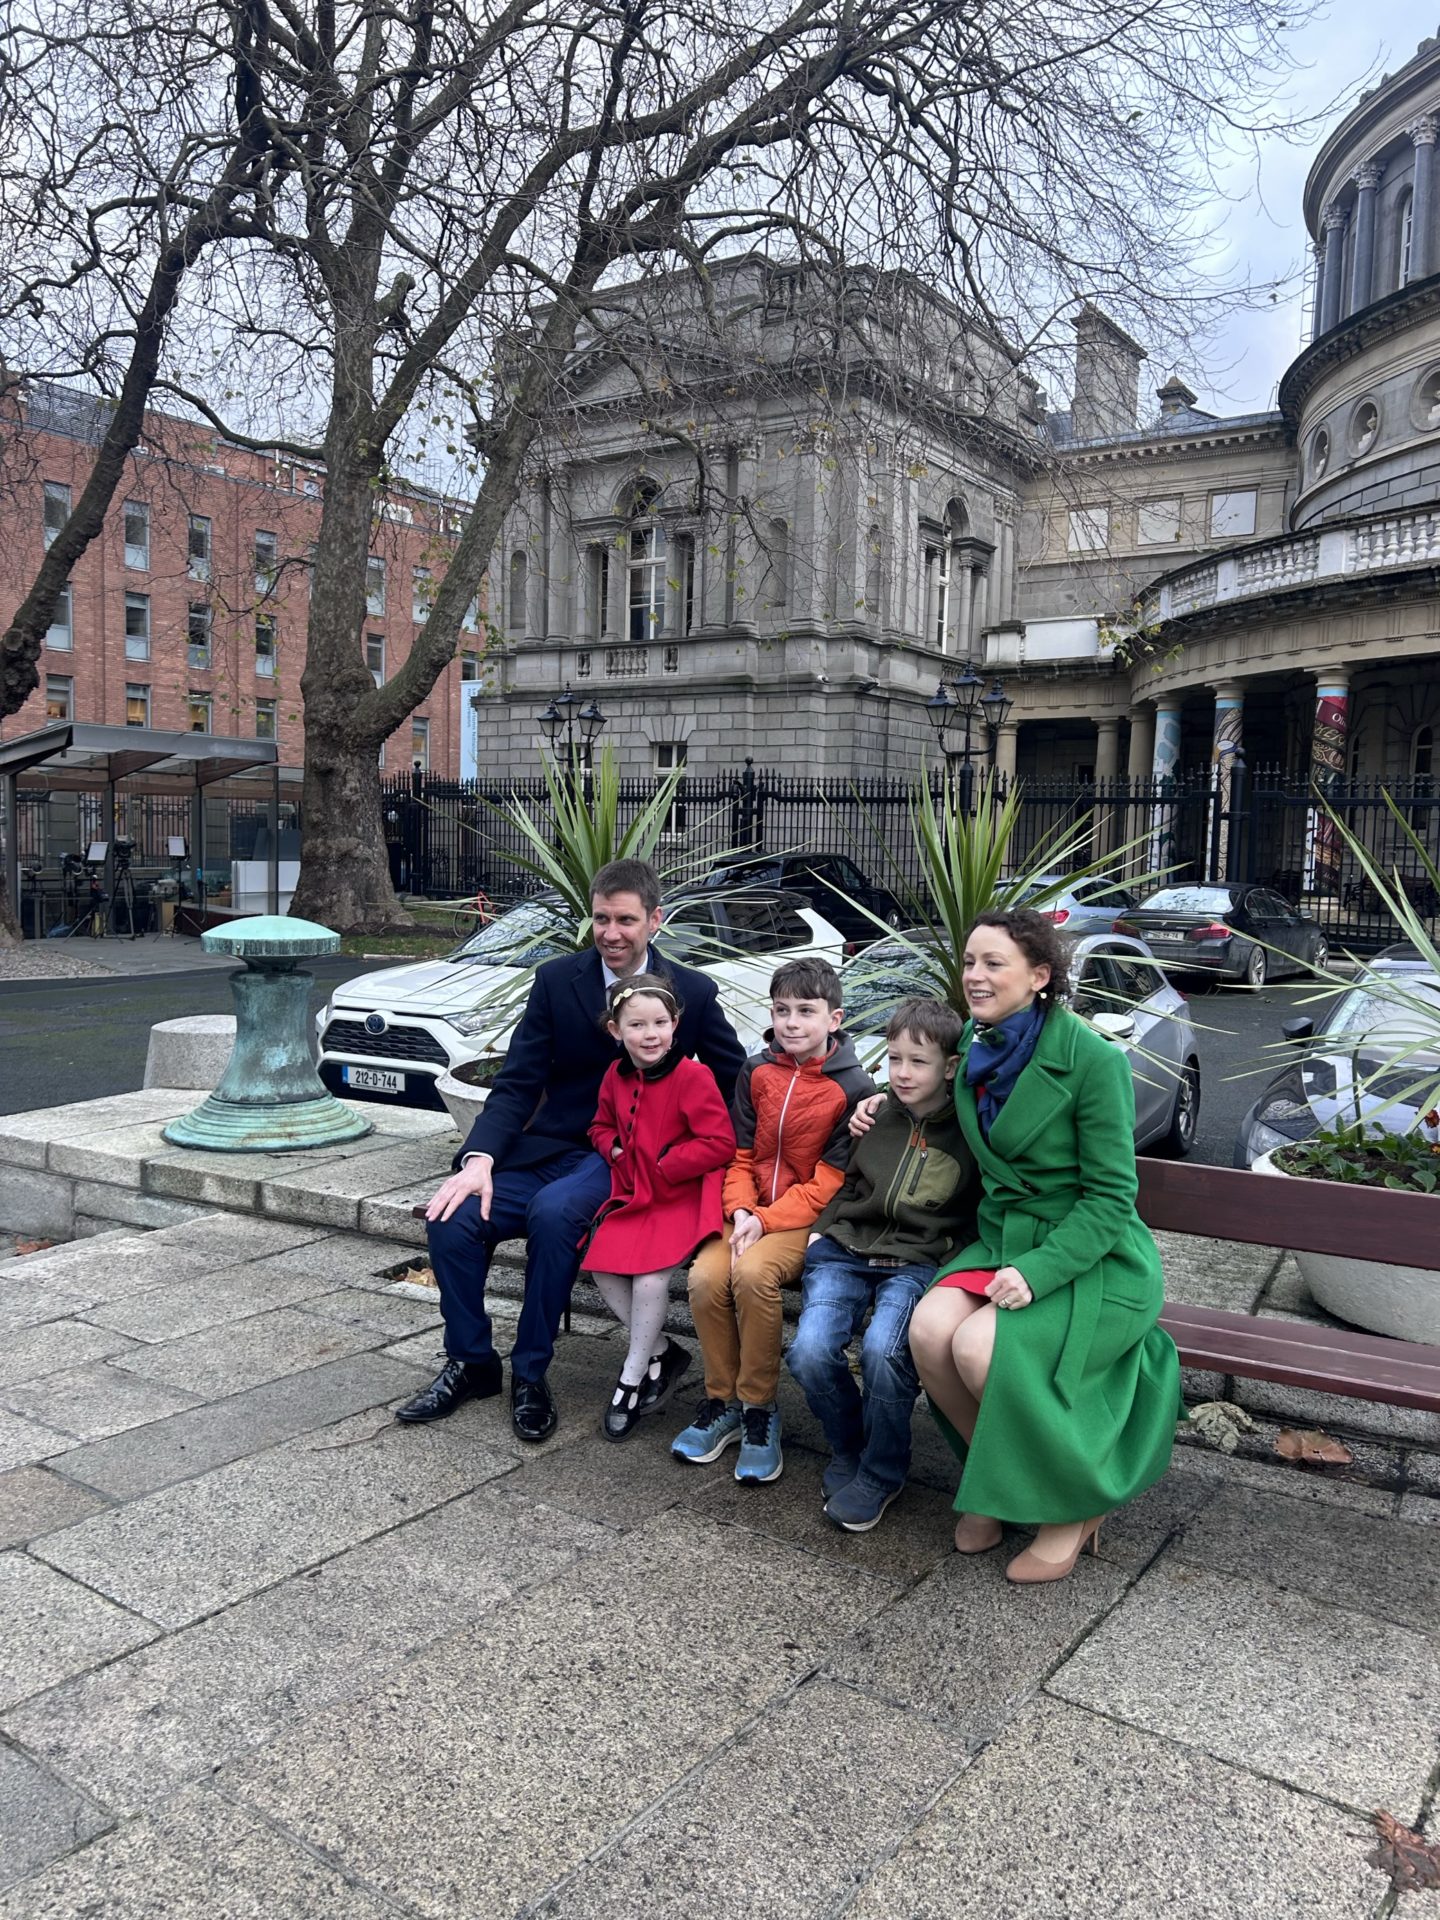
1040 1093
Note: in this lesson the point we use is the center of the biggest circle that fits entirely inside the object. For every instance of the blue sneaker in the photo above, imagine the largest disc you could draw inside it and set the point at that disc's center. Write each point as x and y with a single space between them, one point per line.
841 1471
760 1456
860 1506
715 1427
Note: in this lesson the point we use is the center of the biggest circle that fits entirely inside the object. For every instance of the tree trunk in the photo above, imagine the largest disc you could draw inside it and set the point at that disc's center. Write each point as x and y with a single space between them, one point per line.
10 934
345 876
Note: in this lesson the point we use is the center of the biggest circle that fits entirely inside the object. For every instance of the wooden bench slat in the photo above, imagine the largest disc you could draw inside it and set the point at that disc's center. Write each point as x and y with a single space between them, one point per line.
1361 1366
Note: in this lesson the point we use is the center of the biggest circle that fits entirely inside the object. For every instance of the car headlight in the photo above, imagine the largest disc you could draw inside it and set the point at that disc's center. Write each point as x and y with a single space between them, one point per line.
1263 1139
481 1021
1279 1123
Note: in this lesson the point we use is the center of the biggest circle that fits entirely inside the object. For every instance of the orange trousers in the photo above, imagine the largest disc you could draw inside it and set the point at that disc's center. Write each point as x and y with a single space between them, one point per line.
738 1316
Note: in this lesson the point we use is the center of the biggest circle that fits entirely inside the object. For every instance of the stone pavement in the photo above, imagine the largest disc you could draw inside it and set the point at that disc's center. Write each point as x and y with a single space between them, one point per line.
265 1653
82 958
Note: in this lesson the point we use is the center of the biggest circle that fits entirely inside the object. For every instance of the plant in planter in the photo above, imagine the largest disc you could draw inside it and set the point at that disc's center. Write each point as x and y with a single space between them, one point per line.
1359 1156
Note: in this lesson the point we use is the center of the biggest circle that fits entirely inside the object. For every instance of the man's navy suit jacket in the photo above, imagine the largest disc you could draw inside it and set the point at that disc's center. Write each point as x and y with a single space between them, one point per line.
544 1097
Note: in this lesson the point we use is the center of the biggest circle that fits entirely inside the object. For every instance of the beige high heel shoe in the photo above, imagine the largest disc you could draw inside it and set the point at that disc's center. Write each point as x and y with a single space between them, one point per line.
977 1533
1028 1569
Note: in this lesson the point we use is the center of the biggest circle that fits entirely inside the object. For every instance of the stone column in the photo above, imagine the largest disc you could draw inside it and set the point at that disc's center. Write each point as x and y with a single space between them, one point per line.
1317 304
1142 743
1165 766
1334 218
1107 760
746 564
962 601
1006 741
1362 275
1329 742
1422 132
1229 716
980 608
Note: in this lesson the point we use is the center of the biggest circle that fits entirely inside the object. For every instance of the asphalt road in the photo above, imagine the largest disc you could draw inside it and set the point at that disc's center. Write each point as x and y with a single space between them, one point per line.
81 1040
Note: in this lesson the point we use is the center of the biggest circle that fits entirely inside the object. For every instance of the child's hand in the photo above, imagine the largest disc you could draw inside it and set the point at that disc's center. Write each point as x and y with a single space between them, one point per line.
863 1118
616 1151
1008 1289
744 1234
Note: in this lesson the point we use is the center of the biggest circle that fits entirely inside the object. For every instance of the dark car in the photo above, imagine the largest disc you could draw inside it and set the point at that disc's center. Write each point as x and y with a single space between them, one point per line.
828 882
1235 932
1375 1049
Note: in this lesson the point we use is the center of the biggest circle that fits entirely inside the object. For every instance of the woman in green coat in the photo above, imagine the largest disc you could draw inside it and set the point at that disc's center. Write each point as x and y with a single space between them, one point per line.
1054 1385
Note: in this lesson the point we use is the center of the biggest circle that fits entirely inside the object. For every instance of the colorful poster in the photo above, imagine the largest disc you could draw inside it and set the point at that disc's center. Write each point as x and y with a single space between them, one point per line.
1327 770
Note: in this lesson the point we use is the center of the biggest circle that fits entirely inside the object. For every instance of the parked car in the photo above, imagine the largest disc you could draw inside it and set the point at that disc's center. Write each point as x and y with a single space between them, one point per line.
830 882
1115 981
390 1035
1090 906
1234 932
1349 1046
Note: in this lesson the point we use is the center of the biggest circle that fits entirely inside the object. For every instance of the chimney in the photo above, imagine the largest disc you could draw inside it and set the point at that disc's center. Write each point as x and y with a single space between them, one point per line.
1107 377
1175 398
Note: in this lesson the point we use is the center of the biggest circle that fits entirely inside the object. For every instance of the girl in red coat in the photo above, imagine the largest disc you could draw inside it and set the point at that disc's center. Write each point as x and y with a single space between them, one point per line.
665 1131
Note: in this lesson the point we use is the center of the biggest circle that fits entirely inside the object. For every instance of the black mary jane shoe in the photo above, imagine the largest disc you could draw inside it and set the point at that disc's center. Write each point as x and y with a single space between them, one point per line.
532 1411
622 1416
662 1375
456 1382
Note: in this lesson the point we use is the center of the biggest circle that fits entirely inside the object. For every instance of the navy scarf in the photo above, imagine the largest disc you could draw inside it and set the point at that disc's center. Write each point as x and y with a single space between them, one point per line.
997 1058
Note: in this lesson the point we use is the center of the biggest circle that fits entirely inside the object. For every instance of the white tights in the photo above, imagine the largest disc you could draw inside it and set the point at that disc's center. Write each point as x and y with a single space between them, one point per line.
639 1304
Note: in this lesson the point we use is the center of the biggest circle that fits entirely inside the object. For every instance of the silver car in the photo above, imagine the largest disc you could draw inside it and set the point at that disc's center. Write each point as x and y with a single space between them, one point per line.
1091 905
1115 981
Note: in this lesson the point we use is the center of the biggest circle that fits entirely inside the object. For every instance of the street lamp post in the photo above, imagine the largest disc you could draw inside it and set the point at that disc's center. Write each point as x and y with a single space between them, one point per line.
957 703
578 732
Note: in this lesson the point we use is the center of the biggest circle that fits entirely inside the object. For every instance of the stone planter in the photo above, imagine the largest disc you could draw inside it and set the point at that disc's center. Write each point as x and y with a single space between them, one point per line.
1375 1294
465 1091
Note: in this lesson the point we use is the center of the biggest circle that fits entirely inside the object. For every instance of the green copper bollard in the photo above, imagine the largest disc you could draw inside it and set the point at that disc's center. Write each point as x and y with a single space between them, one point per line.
270 1098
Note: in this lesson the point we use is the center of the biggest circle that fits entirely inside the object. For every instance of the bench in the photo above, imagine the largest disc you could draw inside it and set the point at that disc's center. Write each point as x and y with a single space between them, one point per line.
1316 1216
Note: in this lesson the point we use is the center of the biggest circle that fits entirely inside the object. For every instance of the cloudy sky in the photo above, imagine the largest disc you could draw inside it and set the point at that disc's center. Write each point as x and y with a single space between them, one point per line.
1260 233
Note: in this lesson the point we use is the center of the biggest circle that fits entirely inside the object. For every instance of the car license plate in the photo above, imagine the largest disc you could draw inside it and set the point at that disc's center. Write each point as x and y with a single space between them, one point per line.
373 1080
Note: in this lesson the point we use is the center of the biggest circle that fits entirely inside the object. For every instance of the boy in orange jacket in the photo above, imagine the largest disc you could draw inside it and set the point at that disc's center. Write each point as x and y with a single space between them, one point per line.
792 1109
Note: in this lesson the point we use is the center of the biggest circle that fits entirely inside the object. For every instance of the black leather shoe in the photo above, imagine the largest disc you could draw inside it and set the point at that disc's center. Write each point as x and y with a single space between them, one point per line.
657 1387
532 1411
456 1382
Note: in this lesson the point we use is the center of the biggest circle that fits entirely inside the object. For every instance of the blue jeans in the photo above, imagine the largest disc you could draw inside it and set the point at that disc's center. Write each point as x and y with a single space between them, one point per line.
551 1205
839 1288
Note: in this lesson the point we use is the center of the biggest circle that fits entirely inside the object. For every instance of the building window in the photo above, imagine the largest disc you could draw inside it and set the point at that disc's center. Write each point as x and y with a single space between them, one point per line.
422 593
264 719
1157 523
469 667
197 627
61 637
137 626
670 754
266 638
198 708
937 567
137 536
137 706
646 572
1232 515
267 560
420 744
599 592
59 697
687 586
1088 530
1407 236
519 586
375 657
57 508
198 547
374 587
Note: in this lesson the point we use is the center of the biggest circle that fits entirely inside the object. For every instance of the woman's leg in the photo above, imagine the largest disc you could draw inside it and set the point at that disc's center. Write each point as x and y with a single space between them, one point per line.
934 1329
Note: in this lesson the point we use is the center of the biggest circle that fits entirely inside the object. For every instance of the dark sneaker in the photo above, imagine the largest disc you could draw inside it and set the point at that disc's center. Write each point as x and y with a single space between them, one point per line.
841 1471
661 1375
760 1457
861 1505
715 1427
622 1416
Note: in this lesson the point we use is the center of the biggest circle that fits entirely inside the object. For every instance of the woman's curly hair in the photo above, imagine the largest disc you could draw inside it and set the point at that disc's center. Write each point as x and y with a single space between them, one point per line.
1041 943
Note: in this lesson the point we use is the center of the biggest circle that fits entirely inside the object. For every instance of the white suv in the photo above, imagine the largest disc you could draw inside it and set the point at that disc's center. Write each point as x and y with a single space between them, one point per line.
390 1035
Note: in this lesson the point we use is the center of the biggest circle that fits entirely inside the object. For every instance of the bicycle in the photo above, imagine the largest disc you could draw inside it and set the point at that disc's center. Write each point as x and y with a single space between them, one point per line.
472 914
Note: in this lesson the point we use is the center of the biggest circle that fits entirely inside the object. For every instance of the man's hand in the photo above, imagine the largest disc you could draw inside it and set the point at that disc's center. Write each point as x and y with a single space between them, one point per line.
744 1234
863 1118
475 1177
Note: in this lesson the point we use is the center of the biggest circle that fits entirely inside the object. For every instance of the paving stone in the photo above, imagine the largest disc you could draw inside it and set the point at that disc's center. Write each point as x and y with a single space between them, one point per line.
96 1199
1333 1702
401 1123
200 1858
506 1753
40 1817
91 1403
343 1259
22 1442
139 1728
1422 1473
245 1353
222 1179
1287 1478
783 1822
966 1648
33 1500
1067 1815
24 1137
55 1627
1288 1293
111 1267
177 1554
206 1300
1419 1510
331 1195
1356 1560
1215 1273
32 1351
392 1215
36 1203
117 1155
381 1315
234 1239
209 1436
1299 1407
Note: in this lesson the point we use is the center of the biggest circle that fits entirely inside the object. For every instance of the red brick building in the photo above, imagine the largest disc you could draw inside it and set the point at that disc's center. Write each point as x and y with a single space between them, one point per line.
189 612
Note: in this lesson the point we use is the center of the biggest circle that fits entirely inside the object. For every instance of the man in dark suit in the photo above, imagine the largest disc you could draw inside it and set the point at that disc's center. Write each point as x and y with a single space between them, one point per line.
527 1166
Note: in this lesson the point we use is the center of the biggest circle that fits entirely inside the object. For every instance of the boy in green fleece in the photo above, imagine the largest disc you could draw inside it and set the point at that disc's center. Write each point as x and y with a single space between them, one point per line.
907 1203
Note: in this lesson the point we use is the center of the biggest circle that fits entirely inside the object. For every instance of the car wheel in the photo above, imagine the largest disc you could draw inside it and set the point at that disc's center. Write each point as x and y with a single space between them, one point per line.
1185 1119
1255 968
1321 954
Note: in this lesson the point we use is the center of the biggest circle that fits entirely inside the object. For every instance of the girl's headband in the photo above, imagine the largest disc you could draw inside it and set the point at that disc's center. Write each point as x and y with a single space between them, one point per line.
619 996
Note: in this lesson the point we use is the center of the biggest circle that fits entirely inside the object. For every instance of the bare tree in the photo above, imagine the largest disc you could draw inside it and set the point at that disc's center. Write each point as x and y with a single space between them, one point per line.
441 195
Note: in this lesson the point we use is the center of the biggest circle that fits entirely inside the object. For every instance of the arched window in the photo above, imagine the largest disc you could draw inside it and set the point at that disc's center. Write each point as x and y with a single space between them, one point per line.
519 582
645 565
941 570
